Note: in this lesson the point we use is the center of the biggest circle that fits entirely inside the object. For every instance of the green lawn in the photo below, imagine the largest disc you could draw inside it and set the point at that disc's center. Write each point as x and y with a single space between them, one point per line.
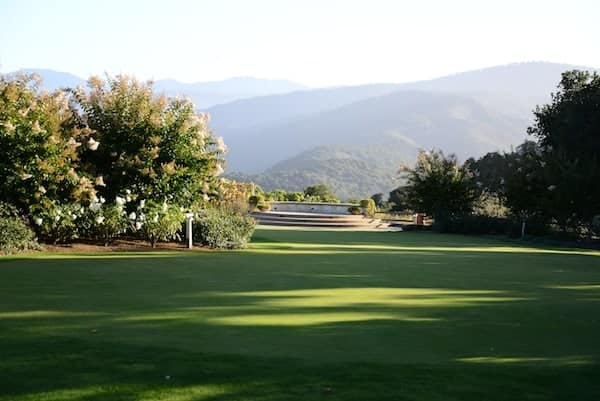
305 316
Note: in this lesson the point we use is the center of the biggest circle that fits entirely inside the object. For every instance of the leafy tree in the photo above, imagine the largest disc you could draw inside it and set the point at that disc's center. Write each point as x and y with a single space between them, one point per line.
156 147
489 172
398 200
282 195
294 196
320 192
39 147
525 182
378 199
569 138
439 186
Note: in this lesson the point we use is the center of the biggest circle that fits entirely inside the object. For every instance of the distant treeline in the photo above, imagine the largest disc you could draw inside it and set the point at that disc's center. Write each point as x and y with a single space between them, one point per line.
550 183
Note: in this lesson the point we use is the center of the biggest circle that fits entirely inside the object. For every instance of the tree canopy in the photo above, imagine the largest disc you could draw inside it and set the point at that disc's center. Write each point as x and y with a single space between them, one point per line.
568 133
438 185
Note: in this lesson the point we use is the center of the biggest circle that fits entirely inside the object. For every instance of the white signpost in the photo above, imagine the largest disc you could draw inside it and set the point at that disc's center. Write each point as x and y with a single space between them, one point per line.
189 218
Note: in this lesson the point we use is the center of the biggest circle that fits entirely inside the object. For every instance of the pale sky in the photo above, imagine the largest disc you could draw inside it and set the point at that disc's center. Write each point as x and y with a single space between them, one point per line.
315 42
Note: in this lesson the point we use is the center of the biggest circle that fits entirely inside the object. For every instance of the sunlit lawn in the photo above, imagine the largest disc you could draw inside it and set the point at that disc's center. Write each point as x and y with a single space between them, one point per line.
305 316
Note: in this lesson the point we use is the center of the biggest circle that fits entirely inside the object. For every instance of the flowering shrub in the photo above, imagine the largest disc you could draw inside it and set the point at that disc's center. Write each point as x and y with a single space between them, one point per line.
222 229
157 221
158 147
63 153
39 146
233 196
104 222
57 222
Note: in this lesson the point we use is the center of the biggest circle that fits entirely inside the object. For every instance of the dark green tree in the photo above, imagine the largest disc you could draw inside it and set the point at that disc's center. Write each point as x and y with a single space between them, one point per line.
568 132
320 192
439 186
397 200
489 172
378 199
525 183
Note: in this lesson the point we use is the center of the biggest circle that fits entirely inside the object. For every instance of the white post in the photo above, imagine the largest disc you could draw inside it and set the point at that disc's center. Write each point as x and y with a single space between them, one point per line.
189 218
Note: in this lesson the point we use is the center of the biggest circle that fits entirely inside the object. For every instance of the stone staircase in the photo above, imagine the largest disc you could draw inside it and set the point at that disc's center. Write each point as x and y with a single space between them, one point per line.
298 219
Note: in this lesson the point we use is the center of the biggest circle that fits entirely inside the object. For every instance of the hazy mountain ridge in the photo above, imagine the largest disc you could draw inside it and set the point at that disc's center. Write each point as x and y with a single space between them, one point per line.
260 111
203 94
455 123
522 84
207 94
52 80
362 155
469 114
349 172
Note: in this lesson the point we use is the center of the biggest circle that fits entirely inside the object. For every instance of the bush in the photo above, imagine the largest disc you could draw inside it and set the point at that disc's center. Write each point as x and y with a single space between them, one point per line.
220 229
103 222
355 210
369 206
294 196
57 223
254 201
281 195
157 222
474 224
15 236
535 225
265 207
7 210
596 225
477 224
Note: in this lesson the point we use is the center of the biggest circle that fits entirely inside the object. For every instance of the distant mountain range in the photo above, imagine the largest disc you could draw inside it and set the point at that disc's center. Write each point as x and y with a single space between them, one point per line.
355 138
284 135
203 94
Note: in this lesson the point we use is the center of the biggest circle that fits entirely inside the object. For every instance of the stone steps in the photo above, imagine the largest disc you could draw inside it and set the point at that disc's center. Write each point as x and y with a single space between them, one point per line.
294 219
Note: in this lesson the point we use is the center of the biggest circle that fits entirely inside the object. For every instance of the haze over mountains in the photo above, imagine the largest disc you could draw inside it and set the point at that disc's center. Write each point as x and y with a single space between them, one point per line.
355 138
204 94
284 135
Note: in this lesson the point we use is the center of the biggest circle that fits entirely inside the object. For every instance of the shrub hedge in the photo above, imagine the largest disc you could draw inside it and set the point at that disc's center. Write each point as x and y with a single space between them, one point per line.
355 210
16 236
222 229
369 206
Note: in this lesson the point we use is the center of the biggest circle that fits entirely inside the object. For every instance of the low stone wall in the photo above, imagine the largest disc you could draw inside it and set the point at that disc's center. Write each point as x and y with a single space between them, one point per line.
310 207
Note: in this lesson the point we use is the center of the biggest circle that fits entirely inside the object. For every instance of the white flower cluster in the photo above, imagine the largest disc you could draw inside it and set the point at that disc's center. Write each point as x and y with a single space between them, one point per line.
97 203
8 126
92 144
52 216
220 145
139 219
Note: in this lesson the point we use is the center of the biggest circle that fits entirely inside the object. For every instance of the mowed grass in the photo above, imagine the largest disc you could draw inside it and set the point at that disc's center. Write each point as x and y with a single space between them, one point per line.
304 315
